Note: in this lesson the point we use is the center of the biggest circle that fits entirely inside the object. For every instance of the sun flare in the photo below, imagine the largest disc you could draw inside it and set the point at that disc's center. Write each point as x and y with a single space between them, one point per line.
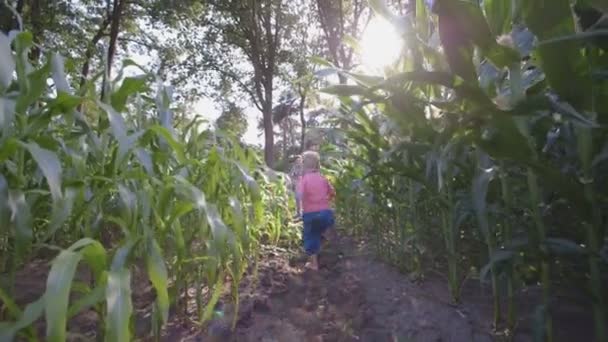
380 44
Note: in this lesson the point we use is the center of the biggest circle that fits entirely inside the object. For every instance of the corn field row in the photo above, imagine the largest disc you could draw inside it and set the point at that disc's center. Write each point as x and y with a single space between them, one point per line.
127 184
495 169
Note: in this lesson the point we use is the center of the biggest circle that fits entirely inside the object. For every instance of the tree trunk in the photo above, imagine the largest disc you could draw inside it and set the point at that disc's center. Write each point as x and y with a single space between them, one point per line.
8 21
117 12
303 123
35 18
285 138
268 135
91 49
114 30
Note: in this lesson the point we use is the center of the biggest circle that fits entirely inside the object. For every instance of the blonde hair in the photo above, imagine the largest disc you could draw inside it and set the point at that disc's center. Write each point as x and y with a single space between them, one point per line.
311 161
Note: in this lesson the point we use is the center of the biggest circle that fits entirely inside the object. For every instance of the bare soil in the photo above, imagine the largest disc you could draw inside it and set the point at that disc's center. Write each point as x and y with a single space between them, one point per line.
353 297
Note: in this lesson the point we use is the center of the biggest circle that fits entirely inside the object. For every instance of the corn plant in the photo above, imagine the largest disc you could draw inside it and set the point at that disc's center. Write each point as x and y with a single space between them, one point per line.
516 87
114 184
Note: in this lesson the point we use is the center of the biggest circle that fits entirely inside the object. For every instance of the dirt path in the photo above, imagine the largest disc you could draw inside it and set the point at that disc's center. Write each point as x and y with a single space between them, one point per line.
356 298
352 298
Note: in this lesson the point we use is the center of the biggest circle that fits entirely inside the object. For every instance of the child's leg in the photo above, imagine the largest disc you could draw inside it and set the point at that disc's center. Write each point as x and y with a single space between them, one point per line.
311 239
313 264
328 231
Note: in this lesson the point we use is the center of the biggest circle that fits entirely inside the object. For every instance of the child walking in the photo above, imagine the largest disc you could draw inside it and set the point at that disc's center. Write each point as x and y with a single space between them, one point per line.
315 192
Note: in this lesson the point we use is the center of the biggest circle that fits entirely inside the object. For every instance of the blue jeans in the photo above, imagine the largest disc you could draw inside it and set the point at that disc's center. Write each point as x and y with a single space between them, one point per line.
315 224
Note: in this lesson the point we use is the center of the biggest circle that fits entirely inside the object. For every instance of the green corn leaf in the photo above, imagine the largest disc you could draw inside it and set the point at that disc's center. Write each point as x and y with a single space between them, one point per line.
23 41
252 185
422 20
380 7
349 90
145 159
61 211
601 5
180 242
7 64
498 14
479 192
129 86
49 164
217 291
364 80
238 219
129 202
457 47
177 147
5 215
560 246
65 103
466 90
117 122
502 139
580 36
193 193
88 300
122 255
568 75
500 256
130 62
157 271
7 117
119 129
601 156
540 322
11 307
31 313
57 66
32 84
80 244
325 72
21 216
572 114
218 229
119 305
353 43
57 294
179 209
96 257
322 62
461 22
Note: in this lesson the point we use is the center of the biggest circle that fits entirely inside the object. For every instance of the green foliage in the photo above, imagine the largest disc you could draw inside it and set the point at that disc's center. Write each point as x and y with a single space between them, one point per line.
232 120
481 145
119 182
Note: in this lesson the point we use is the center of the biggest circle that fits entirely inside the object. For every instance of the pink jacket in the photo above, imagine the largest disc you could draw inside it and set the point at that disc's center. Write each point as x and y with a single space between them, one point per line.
315 192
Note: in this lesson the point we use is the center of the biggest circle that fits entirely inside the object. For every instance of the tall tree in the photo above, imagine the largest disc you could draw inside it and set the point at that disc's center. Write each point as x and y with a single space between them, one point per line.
232 120
255 28
340 19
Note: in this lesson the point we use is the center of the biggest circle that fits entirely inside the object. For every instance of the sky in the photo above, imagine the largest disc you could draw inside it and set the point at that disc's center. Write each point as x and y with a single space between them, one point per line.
208 108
